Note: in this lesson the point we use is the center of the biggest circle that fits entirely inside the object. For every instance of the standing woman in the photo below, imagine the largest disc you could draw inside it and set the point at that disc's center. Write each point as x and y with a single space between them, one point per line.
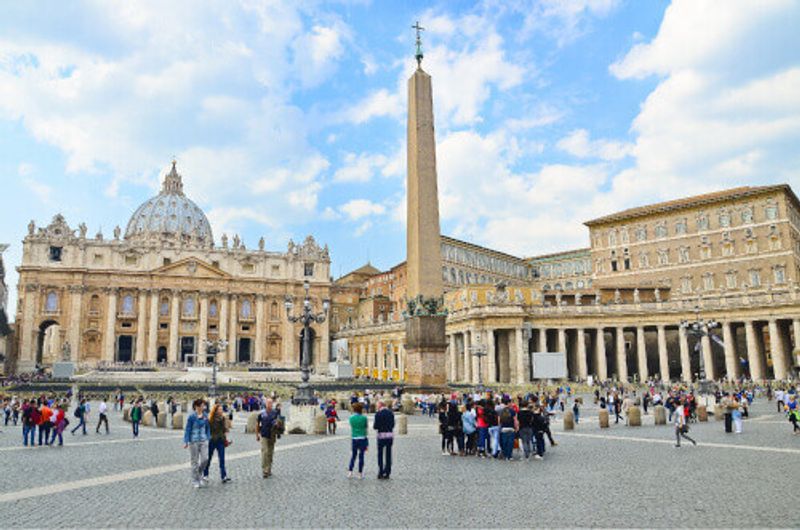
195 437
136 417
219 431
358 434
482 427
736 415
443 426
469 428
681 425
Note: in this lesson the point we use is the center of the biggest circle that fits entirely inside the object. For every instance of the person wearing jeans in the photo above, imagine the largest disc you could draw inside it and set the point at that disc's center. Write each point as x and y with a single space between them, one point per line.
80 413
358 434
29 415
136 417
525 419
219 430
195 437
384 424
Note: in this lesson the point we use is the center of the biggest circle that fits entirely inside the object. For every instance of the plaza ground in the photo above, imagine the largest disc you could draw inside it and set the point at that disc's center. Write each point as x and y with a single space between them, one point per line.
616 477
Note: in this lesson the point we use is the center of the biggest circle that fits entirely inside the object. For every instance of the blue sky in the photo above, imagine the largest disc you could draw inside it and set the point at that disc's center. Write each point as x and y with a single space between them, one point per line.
288 118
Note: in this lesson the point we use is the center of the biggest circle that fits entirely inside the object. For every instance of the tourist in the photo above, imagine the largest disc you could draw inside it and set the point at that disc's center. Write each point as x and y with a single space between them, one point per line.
525 422
45 424
468 427
443 428
454 433
30 416
492 421
154 411
576 410
59 424
195 437
331 417
219 440
793 412
80 413
779 398
102 416
136 417
267 432
736 415
508 429
359 443
681 425
539 425
384 424
482 427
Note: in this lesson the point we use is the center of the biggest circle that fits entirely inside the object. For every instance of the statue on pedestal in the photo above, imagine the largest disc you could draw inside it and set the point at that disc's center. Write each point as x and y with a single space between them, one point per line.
66 352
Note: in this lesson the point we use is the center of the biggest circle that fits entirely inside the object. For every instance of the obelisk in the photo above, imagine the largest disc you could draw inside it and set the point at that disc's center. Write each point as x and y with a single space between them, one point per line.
425 324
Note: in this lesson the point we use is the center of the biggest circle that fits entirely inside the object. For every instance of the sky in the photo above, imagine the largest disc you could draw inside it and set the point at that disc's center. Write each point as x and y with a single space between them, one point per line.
289 118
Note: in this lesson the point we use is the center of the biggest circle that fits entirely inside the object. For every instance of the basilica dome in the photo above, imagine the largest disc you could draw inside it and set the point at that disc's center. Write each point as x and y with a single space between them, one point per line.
170 215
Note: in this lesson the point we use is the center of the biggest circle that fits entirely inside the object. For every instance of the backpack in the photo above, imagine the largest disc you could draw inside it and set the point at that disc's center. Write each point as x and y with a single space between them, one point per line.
78 412
505 415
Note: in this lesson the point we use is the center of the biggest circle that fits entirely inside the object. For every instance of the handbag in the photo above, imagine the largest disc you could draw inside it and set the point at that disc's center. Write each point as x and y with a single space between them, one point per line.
227 442
684 428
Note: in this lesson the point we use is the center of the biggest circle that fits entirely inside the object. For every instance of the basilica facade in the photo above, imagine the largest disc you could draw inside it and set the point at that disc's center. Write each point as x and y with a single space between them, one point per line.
155 293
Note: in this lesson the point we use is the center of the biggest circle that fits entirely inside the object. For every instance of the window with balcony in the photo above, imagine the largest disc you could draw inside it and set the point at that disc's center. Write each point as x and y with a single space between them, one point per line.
779 274
683 254
681 227
755 278
708 281
663 256
686 284
702 222
730 280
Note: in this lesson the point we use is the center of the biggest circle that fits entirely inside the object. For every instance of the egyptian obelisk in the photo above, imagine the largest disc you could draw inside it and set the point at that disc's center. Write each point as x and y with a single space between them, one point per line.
425 325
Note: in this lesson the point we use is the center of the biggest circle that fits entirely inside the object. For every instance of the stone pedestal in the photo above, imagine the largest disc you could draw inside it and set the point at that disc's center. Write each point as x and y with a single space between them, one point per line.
425 351
408 407
660 415
147 419
63 370
569 420
177 420
340 370
603 418
161 421
634 417
301 419
252 423
320 424
702 413
401 422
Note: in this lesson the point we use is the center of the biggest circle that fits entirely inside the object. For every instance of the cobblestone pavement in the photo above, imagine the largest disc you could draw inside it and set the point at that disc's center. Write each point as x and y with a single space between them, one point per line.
616 477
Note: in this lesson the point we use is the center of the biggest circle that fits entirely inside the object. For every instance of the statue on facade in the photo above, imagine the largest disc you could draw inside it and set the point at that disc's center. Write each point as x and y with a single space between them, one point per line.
657 294
224 240
236 240
617 296
66 352
597 299
578 298
117 232
636 298
558 298
99 235
261 243
82 228
31 228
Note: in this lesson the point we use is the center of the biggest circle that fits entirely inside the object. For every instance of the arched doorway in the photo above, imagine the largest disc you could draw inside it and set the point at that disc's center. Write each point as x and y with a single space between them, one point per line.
47 341
312 335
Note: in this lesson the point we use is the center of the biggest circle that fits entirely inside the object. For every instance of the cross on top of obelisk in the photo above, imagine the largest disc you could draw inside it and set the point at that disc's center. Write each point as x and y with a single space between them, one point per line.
418 55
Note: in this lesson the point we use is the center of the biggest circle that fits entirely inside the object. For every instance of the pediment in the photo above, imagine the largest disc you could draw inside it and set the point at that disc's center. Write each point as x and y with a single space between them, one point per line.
192 268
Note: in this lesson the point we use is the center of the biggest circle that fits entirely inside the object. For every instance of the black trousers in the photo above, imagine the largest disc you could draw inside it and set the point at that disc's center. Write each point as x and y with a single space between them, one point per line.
103 419
728 422
385 457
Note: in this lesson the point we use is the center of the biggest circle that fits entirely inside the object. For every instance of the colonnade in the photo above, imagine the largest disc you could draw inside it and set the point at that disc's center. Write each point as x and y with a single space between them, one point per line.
381 359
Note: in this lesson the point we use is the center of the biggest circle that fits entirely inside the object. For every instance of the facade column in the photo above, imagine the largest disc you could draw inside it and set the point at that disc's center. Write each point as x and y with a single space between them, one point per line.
663 358
110 335
686 364
641 354
522 362
708 358
622 361
491 358
452 356
776 348
27 344
203 332
731 366
371 359
600 355
141 329
562 340
152 326
583 367
260 327
542 340
795 355
467 356
222 325
754 353
233 324
174 323
74 331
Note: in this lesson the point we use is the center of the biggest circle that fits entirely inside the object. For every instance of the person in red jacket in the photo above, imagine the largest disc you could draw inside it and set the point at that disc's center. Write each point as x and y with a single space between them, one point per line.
60 423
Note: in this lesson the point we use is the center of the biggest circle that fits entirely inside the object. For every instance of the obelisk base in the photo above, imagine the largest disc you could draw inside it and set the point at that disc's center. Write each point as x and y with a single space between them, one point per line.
426 347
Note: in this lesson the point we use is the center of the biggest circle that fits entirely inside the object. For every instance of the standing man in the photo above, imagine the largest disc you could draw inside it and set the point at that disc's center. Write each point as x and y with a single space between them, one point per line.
102 413
195 437
29 417
266 433
681 425
384 424
45 414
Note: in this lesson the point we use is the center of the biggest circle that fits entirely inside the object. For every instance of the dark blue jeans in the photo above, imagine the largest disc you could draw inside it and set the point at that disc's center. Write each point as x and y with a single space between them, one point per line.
56 434
507 444
29 431
44 434
219 447
483 437
540 443
385 457
135 425
358 448
81 423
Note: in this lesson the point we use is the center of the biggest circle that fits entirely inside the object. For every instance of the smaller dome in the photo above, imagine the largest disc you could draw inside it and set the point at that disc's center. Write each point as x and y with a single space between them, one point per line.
170 214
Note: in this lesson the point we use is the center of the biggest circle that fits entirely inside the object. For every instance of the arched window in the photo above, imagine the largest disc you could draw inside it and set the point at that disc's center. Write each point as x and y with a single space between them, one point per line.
51 302
212 309
247 309
127 304
273 311
164 309
188 306
94 304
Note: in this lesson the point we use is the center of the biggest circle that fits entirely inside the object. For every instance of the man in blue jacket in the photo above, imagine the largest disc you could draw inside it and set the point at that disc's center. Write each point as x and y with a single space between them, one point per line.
384 424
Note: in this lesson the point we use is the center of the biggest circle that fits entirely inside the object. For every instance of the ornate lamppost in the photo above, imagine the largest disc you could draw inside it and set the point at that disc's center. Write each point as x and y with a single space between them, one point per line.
304 394
213 347
700 328
480 352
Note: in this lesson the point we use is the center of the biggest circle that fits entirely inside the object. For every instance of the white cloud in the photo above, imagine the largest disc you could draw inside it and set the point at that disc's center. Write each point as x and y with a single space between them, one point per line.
356 209
577 143
42 191
380 103
360 168
562 20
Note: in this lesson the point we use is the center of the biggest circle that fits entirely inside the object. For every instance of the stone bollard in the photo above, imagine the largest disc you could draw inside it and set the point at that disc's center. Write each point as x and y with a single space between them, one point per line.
634 417
408 407
569 420
177 420
147 418
402 424
126 414
161 421
603 418
320 424
252 423
702 413
719 412
660 415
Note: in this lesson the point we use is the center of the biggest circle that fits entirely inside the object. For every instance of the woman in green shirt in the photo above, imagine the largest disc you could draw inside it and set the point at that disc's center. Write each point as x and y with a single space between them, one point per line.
358 429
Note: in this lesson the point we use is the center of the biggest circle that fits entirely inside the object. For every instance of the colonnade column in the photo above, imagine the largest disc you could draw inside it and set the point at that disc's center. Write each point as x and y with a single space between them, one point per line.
260 322
27 352
491 357
641 354
622 362
203 334
110 335
232 325
561 343
222 326
141 329
708 359
600 355
174 322
74 331
776 348
686 365
542 340
796 346
583 367
152 326
753 351
731 366
521 346
467 356
371 359
452 356
663 358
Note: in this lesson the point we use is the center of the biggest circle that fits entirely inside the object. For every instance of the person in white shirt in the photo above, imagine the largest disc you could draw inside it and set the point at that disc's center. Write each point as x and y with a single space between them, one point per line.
102 412
779 397
681 427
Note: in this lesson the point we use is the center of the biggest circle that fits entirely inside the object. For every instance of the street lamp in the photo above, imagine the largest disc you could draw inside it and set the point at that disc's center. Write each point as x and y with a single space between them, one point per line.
213 347
305 395
480 352
700 328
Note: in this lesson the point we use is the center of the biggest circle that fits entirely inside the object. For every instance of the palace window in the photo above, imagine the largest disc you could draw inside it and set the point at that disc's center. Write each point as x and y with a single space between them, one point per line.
51 302
730 279
755 278
131 260
663 256
55 253
683 255
212 309
188 307
728 249
641 233
248 268
702 222
771 211
724 219
612 238
624 236
747 215
779 274
308 269
94 304
127 304
686 284
247 309
751 246
644 260
661 230
708 281
164 310
680 227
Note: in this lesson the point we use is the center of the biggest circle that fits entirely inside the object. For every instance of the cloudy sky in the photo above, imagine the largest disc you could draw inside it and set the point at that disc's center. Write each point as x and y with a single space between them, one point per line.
288 118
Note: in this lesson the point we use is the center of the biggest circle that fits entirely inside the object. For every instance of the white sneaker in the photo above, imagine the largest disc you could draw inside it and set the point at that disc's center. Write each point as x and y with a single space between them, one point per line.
196 485
445 453
537 457
349 474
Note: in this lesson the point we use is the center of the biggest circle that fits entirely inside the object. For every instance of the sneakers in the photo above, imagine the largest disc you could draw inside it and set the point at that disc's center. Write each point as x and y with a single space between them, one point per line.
445 453
205 481
226 480
196 485
349 474
537 457
361 476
